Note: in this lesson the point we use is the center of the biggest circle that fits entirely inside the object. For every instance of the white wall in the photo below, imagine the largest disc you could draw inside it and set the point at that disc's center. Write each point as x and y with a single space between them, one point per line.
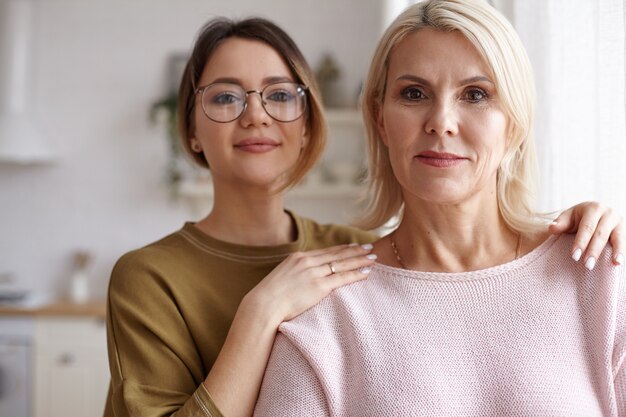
96 68
577 51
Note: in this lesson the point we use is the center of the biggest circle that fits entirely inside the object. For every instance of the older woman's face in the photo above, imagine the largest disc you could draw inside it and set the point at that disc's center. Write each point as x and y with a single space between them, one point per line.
442 119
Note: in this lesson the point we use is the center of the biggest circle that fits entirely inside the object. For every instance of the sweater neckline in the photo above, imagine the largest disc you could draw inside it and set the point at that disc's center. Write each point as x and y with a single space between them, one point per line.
510 266
241 252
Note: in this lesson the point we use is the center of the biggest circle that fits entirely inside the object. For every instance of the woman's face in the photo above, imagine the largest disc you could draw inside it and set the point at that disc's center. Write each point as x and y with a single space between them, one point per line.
253 150
442 119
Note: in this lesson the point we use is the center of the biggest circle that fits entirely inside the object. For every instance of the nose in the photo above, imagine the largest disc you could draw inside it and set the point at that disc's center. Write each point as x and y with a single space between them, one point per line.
254 113
442 119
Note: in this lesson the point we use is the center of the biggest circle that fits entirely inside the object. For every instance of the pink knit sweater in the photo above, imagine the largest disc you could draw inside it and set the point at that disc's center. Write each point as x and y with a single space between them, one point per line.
539 336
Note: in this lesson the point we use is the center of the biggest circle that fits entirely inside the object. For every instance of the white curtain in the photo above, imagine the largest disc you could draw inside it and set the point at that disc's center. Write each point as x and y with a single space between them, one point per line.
578 51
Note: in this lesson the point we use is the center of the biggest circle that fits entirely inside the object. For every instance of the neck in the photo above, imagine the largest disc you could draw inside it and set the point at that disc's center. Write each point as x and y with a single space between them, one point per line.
454 238
248 216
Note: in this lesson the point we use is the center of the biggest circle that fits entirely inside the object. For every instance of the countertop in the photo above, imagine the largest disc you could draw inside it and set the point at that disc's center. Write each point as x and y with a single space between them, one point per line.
92 308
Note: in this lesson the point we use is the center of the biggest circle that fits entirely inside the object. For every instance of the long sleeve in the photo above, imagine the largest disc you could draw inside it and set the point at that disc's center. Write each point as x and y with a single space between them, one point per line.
290 386
620 388
155 366
619 355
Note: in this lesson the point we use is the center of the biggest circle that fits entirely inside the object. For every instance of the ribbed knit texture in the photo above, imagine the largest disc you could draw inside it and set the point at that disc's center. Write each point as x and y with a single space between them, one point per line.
539 336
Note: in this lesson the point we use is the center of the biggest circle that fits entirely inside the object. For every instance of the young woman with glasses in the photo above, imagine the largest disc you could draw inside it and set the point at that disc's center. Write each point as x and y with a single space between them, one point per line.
192 317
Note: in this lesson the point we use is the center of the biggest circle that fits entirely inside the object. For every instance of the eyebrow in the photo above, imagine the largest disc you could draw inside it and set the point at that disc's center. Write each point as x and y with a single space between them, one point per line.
466 81
265 81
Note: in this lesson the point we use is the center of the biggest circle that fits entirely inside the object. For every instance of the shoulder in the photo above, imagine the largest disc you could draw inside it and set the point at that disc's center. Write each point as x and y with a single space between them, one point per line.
145 266
147 255
329 334
557 250
344 311
325 235
599 293
148 286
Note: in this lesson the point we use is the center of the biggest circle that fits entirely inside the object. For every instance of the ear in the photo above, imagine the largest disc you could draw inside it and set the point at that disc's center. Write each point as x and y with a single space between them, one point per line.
380 123
195 145
304 139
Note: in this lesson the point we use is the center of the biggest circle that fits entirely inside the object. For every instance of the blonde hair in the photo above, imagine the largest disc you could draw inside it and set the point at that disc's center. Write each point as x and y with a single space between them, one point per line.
498 44
210 37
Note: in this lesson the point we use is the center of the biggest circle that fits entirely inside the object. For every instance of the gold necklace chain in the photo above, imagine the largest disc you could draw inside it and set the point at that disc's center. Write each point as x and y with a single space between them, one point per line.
394 248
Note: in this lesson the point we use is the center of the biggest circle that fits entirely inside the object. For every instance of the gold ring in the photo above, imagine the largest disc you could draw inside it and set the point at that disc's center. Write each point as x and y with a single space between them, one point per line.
332 268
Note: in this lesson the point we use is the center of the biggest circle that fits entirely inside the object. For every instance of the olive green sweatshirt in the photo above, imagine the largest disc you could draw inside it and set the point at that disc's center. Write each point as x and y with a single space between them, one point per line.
170 306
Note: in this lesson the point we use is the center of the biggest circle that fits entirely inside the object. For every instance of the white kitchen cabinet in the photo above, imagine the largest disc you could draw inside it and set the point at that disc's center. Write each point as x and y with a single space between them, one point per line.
71 368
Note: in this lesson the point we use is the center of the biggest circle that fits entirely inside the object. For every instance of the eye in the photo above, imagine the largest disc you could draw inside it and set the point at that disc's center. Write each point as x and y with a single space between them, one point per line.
225 98
412 94
280 96
475 95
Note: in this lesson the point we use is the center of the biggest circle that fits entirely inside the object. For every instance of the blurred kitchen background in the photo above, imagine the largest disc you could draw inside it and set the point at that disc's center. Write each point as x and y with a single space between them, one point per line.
87 172
94 71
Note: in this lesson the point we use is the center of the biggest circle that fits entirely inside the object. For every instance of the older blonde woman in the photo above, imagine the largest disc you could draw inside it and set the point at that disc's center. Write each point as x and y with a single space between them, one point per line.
472 309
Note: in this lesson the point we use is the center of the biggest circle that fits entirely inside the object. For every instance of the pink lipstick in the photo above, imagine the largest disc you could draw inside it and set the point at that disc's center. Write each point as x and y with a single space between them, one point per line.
440 159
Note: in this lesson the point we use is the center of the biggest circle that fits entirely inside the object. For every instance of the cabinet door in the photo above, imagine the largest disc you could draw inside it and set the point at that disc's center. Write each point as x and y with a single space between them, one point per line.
76 381
72 373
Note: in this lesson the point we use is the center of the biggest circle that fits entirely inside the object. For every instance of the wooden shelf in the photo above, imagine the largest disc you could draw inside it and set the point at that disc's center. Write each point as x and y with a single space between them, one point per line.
93 308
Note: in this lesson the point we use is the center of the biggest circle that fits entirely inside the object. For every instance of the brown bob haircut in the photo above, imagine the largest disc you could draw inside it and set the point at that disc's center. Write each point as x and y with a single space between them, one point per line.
210 37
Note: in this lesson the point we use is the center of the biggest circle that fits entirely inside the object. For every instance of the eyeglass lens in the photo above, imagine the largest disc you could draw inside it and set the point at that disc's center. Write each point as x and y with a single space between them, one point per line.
225 102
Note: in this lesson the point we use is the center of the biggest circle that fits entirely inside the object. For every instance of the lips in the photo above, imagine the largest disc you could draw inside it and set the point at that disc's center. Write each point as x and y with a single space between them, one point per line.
440 159
257 145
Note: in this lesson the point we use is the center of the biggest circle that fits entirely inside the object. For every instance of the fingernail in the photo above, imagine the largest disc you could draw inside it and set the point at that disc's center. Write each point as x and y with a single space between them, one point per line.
365 270
353 244
554 222
577 254
367 246
371 256
620 259
590 263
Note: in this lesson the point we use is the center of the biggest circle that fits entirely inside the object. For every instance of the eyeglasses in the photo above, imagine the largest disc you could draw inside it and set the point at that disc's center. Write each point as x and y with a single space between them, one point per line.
225 102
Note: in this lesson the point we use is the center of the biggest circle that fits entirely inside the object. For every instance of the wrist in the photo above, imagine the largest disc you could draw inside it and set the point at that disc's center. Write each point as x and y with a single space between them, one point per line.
255 308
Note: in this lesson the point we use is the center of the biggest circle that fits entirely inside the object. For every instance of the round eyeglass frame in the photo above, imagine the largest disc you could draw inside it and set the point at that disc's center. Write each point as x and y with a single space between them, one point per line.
203 88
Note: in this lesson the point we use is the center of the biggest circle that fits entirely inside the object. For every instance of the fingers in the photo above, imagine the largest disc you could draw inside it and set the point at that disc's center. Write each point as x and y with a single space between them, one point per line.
590 227
356 263
596 225
304 278
345 262
565 222
348 267
346 252
599 238
348 277
617 241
